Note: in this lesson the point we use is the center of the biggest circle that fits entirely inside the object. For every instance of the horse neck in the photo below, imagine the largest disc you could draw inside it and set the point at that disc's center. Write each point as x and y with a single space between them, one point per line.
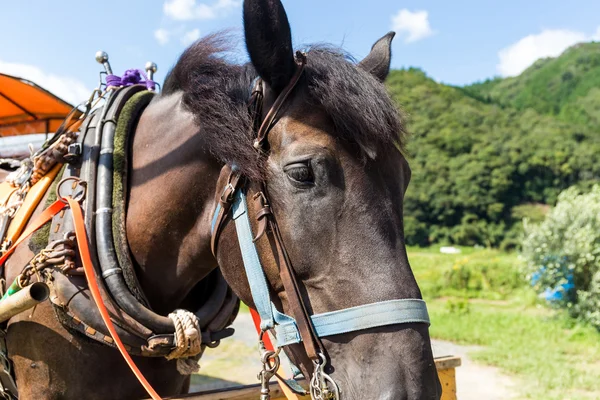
171 190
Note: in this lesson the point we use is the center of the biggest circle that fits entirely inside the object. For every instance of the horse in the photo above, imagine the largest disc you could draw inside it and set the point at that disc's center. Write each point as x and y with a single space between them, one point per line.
336 176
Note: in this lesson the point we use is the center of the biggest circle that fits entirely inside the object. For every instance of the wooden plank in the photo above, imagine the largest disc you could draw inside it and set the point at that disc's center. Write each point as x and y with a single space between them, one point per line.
447 362
448 381
247 392
445 366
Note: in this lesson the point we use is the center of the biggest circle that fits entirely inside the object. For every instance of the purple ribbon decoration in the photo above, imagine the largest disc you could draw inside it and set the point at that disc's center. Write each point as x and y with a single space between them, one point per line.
130 77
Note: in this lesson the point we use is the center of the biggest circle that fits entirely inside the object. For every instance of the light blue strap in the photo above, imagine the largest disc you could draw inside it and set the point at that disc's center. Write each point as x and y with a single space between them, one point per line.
214 220
252 265
401 311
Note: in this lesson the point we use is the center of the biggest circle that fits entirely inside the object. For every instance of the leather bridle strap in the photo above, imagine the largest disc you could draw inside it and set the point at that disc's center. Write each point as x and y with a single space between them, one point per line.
225 201
310 340
269 120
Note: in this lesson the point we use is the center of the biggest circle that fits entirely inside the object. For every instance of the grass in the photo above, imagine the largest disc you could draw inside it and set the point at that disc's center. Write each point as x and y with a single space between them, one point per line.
477 297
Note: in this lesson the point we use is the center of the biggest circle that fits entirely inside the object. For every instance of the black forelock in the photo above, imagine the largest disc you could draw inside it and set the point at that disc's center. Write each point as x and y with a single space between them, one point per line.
357 102
217 92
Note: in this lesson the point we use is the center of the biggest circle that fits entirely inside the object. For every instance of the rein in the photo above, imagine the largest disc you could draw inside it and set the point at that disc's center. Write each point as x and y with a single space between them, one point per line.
300 327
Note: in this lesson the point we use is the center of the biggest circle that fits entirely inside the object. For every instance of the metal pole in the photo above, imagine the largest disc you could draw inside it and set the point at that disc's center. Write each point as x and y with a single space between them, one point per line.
23 300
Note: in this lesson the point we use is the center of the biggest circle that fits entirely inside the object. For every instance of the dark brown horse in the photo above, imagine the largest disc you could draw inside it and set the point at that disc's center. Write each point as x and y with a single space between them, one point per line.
336 179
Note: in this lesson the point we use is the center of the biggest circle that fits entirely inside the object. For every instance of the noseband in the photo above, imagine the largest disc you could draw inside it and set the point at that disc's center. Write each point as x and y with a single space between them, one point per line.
300 327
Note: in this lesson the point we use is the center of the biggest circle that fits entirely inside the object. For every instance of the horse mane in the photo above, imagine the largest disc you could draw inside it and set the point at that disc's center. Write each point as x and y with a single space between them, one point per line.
216 91
358 103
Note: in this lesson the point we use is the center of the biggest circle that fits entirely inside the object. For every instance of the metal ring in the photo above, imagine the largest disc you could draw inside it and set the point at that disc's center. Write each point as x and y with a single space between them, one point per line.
79 196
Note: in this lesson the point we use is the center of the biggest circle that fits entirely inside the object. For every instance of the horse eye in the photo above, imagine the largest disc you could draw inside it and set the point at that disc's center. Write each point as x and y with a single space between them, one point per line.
299 172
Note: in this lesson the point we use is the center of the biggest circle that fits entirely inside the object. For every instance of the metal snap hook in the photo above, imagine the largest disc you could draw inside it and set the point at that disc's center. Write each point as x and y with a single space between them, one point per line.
270 365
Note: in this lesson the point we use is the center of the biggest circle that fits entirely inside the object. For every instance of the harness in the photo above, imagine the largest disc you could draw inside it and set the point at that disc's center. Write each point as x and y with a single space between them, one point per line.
300 326
98 299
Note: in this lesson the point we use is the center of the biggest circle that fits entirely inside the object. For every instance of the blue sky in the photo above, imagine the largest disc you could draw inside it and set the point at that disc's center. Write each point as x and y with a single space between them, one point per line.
458 42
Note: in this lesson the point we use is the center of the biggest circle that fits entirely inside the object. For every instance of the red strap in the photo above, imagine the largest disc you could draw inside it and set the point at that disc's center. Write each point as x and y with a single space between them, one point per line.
34 226
256 320
86 260
269 346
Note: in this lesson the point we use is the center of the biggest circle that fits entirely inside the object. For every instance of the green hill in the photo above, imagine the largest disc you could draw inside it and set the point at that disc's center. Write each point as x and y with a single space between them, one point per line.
567 86
486 155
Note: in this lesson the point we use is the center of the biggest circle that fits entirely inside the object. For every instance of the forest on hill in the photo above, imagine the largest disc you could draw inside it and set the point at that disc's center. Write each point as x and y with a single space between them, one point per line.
487 155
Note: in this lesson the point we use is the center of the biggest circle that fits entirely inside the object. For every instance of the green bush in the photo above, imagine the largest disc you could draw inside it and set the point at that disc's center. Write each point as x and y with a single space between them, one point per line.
493 277
533 212
567 243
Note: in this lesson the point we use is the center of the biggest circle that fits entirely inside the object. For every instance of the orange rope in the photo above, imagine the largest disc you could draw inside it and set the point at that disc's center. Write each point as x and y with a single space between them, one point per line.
90 275
34 226
86 260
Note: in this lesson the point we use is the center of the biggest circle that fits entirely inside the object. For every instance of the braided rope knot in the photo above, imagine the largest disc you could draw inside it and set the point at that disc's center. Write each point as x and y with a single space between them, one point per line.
188 342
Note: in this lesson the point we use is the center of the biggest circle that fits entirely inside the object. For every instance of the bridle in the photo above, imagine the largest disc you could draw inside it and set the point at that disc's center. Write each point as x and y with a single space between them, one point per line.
300 326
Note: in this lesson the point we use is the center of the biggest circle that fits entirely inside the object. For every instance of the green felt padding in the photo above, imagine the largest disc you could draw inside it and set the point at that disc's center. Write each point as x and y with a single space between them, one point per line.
126 125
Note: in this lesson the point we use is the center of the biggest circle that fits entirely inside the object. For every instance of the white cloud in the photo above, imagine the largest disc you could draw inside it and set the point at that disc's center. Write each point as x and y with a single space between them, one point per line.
413 25
190 37
186 10
69 89
162 36
596 36
517 57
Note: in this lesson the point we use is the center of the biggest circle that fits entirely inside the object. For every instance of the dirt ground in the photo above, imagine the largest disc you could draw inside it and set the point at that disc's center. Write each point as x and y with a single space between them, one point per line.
475 381
235 362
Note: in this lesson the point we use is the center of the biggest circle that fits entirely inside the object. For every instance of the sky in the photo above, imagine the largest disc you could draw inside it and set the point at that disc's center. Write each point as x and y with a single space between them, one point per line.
458 42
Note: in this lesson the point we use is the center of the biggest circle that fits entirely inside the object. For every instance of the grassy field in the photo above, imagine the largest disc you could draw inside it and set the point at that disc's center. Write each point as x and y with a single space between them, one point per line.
478 297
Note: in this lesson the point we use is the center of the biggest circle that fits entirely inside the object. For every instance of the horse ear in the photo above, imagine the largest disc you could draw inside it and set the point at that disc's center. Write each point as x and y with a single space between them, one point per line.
269 41
377 62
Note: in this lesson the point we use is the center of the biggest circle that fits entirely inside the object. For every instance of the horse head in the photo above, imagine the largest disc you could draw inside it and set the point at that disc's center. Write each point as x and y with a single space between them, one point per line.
330 166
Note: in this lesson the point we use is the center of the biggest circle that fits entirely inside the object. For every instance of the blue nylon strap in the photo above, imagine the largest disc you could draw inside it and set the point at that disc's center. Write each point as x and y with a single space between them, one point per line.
214 220
401 311
252 265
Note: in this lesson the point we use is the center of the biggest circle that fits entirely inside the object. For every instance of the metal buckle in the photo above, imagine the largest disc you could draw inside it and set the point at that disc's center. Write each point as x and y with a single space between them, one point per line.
74 151
227 193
